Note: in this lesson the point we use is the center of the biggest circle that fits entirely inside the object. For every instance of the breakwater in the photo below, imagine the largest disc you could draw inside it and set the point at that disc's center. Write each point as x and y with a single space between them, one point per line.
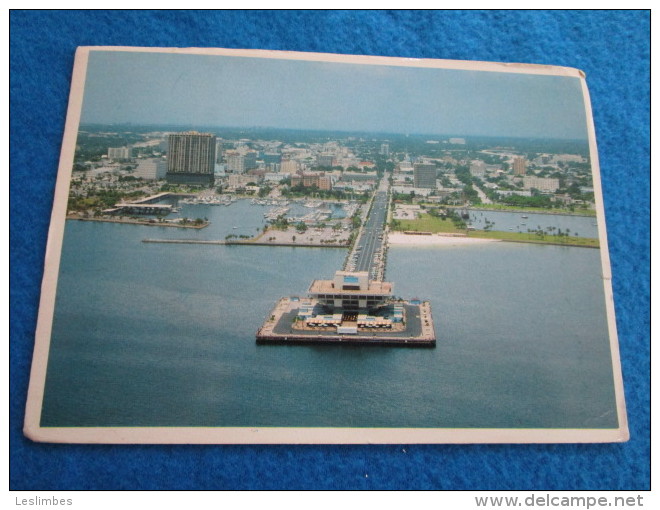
242 243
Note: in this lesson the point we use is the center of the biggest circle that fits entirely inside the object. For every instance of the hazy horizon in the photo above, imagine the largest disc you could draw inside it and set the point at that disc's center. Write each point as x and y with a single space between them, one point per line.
257 93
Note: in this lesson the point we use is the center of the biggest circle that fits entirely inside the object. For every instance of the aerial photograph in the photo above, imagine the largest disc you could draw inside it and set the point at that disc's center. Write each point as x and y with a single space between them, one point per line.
265 241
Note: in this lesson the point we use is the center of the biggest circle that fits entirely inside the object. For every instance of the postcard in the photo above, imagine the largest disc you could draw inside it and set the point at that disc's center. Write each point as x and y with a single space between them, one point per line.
275 247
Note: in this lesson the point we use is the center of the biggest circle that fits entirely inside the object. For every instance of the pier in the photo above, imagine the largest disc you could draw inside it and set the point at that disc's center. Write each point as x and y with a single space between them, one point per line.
368 252
146 205
243 242
357 306
279 328
146 208
152 199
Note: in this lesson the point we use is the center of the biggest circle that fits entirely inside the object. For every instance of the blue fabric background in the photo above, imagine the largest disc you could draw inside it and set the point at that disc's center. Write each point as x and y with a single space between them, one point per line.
612 47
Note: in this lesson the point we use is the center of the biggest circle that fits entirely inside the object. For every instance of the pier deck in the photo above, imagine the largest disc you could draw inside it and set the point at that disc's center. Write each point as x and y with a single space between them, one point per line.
277 329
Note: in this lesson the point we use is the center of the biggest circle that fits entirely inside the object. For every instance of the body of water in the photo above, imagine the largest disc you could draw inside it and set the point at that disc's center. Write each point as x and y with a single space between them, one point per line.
582 226
164 335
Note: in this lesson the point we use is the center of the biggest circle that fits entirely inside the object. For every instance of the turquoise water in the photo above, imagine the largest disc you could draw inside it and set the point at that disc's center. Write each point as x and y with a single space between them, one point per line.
164 335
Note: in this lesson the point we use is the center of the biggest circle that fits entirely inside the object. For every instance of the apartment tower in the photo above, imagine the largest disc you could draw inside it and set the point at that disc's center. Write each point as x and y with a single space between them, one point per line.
191 158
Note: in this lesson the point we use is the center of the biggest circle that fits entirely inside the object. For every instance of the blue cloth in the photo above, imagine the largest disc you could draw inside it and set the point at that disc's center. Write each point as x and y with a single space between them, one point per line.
612 47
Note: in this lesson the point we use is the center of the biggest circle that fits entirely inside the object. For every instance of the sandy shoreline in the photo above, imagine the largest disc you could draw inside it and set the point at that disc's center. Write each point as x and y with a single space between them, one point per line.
397 238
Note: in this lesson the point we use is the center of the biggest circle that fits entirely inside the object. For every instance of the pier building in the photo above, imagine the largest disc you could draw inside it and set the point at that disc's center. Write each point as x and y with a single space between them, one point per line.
351 309
351 292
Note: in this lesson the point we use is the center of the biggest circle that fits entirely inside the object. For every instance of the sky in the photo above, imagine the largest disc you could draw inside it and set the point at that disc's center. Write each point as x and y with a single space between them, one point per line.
223 91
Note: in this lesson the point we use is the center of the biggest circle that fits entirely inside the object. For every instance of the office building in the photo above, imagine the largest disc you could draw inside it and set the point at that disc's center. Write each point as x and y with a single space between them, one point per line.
239 180
307 180
234 162
219 150
289 166
120 153
239 163
272 158
250 160
325 159
191 158
519 166
424 175
151 169
543 184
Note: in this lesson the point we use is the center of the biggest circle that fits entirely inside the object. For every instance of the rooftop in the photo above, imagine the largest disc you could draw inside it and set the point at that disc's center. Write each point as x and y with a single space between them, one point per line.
376 288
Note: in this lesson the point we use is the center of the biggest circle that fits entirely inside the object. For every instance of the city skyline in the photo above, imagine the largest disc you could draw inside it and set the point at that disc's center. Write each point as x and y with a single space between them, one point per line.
245 92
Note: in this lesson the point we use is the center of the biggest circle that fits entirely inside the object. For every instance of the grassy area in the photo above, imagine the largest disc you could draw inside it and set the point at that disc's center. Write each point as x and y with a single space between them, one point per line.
427 223
524 237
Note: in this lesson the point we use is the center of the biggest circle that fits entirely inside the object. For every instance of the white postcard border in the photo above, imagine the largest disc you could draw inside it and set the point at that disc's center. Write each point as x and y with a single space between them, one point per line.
294 435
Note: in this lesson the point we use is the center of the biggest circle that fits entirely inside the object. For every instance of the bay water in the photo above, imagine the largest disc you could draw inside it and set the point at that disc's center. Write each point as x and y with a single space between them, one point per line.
164 335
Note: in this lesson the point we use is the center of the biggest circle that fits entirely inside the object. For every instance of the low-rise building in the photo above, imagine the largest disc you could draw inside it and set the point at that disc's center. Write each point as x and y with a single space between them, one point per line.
151 169
289 166
120 153
424 175
351 292
239 180
544 184
325 159
407 190
275 176
477 168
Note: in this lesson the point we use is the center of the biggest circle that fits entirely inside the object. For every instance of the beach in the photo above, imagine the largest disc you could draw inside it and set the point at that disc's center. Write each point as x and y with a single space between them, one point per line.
399 238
